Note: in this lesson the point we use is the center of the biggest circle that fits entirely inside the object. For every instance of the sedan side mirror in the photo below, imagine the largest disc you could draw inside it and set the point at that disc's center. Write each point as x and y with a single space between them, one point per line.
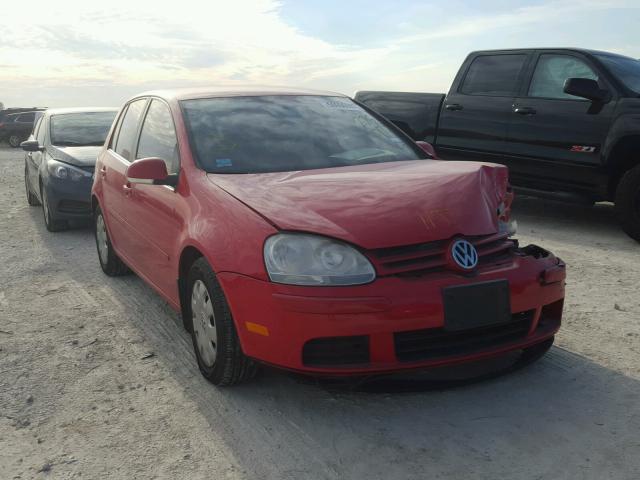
150 171
31 146
586 88
427 148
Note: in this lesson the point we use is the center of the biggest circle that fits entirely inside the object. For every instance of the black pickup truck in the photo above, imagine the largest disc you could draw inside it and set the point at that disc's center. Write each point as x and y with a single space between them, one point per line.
565 121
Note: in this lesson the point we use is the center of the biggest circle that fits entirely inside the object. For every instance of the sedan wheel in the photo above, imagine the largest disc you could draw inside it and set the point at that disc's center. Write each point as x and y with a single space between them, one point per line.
52 224
213 331
204 323
14 141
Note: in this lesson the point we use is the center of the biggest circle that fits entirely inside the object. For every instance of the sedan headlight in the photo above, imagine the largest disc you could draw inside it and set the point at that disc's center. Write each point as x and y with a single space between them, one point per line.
302 259
65 171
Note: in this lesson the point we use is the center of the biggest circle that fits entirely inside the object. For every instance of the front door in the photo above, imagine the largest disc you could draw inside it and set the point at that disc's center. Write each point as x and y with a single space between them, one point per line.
555 138
152 211
475 117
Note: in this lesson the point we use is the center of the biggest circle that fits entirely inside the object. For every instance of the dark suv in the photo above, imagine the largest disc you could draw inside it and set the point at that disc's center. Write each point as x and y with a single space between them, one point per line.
16 127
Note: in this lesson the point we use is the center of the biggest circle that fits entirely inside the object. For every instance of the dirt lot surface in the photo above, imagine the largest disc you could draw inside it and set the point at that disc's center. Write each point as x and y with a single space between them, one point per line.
98 380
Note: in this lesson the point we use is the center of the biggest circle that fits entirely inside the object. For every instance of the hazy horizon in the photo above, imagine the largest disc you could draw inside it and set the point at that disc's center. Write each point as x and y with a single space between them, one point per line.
68 53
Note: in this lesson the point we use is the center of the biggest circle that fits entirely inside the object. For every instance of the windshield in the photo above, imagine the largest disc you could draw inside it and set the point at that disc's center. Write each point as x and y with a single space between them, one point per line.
288 133
81 129
624 68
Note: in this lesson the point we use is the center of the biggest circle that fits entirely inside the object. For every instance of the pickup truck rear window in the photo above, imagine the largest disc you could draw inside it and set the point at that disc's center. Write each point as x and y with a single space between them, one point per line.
284 133
495 75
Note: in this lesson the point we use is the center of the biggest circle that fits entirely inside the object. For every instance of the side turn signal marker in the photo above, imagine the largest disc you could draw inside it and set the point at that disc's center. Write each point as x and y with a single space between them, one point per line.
257 328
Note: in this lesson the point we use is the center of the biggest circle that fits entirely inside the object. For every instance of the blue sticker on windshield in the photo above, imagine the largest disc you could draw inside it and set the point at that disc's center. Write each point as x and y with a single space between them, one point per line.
223 162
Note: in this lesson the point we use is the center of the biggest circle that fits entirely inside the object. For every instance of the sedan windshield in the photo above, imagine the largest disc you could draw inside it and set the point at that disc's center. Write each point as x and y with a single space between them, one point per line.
80 129
624 68
288 133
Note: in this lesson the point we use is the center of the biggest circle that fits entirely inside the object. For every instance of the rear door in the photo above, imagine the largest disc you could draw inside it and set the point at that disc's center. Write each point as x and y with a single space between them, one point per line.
555 139
150 210
477 111
112 170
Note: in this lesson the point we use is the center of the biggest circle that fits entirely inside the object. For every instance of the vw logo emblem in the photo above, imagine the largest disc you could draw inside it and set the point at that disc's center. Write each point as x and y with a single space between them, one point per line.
464 254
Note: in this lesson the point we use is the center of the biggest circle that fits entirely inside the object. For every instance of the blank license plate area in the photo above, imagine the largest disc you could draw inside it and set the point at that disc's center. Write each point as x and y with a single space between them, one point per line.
475 306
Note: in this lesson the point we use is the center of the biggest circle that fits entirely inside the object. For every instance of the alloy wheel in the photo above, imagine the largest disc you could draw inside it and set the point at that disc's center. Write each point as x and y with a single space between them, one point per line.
101 236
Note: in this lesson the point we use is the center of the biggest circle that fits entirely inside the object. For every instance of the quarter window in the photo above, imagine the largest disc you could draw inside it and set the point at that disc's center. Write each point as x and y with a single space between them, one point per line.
158 137
551 73
129 128
495 75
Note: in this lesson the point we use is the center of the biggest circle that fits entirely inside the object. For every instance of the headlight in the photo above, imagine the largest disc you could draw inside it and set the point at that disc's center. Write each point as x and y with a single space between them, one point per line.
301 259
63 171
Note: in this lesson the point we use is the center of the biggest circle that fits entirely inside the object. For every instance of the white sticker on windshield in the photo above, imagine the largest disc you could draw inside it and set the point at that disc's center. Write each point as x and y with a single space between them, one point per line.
340 103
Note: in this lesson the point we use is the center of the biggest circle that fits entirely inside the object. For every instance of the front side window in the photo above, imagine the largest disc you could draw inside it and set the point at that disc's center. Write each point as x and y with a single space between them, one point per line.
552 71
129 129
158 137
626 69
495 75
80 129
284 133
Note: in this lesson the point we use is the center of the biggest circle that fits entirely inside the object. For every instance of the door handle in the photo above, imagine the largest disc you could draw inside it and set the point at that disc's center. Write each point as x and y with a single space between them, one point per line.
453 106
103 171
128 189
524 110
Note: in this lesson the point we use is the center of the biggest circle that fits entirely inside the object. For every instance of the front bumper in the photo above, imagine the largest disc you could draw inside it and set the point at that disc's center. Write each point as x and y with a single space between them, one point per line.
70 199
392 324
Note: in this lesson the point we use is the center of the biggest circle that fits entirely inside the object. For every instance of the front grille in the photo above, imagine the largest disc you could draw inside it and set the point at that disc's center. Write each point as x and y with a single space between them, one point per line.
333 351
431 257
431 343
74 206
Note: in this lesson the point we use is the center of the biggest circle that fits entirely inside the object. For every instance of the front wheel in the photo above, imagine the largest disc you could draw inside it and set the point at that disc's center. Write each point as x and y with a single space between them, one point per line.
628 202
14 141
50 221
109 261
215 340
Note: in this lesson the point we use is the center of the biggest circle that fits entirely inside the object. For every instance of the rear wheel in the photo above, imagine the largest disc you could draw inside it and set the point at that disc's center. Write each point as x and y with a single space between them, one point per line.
628 202
32 200
109 261
215 340
14 141
50 221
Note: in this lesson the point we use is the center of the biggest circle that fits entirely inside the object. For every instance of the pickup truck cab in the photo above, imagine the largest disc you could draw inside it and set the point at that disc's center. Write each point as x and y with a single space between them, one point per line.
565 121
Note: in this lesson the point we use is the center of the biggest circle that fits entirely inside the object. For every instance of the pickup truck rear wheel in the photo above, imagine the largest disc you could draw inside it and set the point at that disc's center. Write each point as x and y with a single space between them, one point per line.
628 202
14 141
215 340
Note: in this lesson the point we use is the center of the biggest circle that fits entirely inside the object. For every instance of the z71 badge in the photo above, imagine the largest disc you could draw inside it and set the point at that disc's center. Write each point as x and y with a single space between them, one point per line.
583 149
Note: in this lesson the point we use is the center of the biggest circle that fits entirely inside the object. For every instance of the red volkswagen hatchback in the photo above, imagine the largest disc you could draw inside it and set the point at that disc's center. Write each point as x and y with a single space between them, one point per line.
299 229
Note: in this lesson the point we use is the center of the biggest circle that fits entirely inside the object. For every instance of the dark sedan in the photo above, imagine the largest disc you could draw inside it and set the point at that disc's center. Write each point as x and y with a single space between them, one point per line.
60 159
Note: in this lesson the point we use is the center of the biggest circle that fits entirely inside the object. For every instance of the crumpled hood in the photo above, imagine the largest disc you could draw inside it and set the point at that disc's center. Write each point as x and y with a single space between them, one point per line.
378 205
78 156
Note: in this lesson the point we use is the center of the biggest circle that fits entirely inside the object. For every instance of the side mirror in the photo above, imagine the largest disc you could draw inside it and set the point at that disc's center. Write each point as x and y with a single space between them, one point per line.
31 146
428 149
585 88
150 171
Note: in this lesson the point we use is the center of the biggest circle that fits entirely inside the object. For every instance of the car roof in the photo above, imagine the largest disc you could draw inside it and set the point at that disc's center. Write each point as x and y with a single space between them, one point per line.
549 49
60 111
233 91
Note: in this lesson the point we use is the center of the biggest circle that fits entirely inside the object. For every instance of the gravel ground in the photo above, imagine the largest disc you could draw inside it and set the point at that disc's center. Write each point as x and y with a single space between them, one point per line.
98 380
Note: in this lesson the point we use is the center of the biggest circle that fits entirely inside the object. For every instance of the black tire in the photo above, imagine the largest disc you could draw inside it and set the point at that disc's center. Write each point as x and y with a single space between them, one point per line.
14 141
32 200
628 202
111 263
50 221
230 365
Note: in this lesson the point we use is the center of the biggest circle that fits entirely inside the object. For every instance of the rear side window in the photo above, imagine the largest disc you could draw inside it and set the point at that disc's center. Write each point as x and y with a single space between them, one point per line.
495 75
551 73
158 136
129 128
26 117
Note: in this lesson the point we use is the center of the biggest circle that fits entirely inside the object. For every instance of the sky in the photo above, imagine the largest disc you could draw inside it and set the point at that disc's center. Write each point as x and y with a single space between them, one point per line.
89 53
